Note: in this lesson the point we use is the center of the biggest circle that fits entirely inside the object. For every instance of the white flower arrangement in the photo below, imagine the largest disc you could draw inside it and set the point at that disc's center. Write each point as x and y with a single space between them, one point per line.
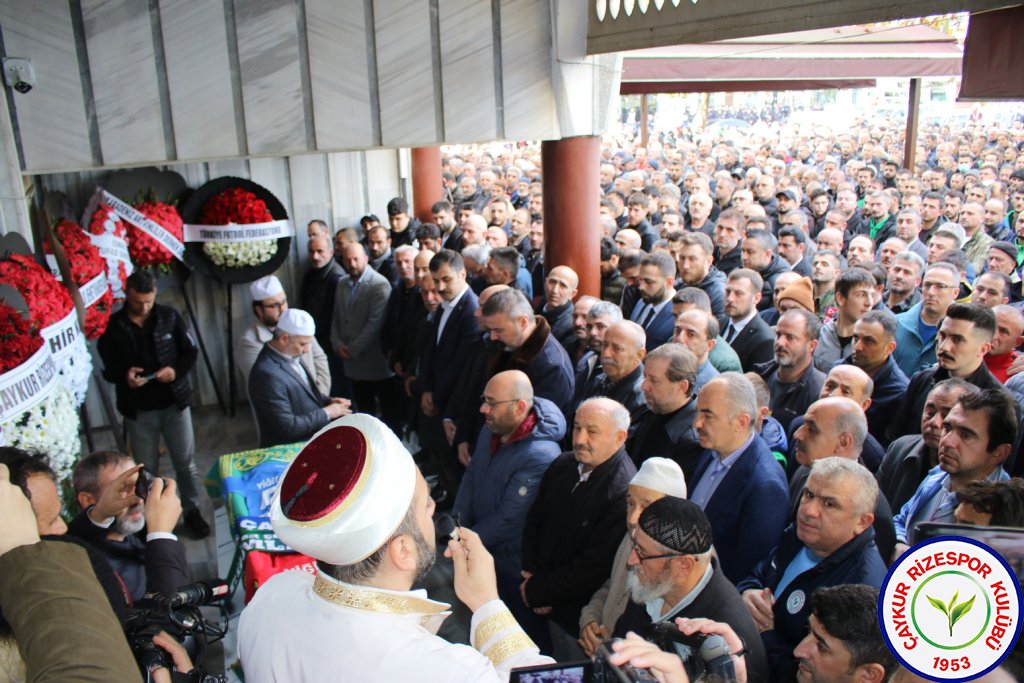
76 369
240 254
50 427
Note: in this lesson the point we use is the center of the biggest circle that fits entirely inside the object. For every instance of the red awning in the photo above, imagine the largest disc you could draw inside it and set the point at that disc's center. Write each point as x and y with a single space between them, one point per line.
852 53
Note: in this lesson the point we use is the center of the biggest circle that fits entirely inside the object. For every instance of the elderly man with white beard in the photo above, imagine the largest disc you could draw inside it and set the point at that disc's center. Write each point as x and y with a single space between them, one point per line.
673 574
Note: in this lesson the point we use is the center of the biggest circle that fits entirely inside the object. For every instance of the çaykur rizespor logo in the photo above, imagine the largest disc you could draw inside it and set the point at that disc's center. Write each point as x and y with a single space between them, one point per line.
950 608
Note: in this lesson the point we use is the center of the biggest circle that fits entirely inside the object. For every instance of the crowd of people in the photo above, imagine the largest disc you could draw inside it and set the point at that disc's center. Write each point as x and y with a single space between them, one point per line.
800 352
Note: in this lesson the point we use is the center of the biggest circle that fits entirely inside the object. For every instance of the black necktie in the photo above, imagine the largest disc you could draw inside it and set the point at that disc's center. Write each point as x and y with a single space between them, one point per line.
650 316
730 334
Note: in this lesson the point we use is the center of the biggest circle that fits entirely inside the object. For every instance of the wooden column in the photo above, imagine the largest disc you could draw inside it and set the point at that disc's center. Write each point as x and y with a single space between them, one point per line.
913 110
572 231
643 120
427 186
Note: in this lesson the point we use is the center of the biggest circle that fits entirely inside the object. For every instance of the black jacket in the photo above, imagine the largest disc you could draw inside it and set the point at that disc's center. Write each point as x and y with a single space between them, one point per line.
903 468
543 360
776 267
626 391
316 296
172 346
754 344
730 260
560 320
719 601
791 400
572 532
889 392
159 566
908 418
668 436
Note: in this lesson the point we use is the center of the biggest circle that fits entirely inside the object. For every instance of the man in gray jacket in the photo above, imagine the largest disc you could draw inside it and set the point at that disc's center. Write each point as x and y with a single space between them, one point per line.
360 308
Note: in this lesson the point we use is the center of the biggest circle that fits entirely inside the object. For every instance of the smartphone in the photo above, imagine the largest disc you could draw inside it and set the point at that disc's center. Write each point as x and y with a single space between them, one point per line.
147 378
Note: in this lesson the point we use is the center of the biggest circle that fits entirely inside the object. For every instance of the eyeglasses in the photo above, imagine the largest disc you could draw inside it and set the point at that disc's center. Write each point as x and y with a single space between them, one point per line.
279 305
643 558
936 285
490 402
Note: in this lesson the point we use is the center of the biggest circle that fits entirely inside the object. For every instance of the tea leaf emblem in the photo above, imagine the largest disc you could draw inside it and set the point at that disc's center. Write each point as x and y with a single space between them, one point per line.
954 612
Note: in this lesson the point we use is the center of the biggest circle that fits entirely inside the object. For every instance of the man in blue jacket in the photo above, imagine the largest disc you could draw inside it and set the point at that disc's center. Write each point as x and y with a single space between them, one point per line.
832 543
519 440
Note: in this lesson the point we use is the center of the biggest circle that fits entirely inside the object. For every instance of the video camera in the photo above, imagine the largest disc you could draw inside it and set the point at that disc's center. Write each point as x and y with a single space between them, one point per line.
178 614
598 670
703 655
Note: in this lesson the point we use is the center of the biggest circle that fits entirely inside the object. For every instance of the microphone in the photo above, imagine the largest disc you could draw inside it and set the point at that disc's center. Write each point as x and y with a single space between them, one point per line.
198 594
717 658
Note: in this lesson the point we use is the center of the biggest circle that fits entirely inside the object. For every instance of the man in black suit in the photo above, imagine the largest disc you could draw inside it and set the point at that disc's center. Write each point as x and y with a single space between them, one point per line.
451 233
454 331
382 259
284 397
747 332
654 310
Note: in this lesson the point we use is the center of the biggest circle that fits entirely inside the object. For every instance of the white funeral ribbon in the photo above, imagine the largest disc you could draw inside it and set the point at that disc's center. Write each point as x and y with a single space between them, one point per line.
93 290
151 228
28 384
60 337
242 232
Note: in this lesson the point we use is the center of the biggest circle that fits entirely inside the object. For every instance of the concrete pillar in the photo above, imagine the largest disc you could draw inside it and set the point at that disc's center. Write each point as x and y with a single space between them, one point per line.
572 230
427 186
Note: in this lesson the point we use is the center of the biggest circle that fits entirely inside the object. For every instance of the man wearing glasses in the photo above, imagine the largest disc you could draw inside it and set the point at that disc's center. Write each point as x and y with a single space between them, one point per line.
917 329
672 574
520 438
269 301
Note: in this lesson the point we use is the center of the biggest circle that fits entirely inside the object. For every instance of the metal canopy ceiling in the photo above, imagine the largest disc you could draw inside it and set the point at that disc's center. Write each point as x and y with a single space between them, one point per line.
851 56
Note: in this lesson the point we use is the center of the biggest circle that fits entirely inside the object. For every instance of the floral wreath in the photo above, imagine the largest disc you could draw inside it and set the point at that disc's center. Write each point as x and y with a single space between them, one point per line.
49 306
86 264
231 207
233 204
49 427
104 222
146 251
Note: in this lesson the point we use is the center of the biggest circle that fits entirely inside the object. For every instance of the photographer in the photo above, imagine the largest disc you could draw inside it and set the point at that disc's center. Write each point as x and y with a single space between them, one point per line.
113 515
59 614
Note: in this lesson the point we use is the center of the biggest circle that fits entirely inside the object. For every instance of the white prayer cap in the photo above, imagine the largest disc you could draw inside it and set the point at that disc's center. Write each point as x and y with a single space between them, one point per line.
298 322
346 493
662 475
265 287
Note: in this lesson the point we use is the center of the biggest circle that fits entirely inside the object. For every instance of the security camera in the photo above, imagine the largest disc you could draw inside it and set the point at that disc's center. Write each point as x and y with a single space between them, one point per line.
19 74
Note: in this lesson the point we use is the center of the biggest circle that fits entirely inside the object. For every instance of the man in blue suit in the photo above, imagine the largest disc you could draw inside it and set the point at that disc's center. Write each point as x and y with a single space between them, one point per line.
654 310
738 483
287 404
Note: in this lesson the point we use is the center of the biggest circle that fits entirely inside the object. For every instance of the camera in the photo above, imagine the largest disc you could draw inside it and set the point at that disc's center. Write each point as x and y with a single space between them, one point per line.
178 614
703 654
19 74
598 670
144 483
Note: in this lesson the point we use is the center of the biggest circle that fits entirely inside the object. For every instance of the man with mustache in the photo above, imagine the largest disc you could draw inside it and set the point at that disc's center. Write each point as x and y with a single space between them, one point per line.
672 574
792 378
979 434
576 523
964 338
622 354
